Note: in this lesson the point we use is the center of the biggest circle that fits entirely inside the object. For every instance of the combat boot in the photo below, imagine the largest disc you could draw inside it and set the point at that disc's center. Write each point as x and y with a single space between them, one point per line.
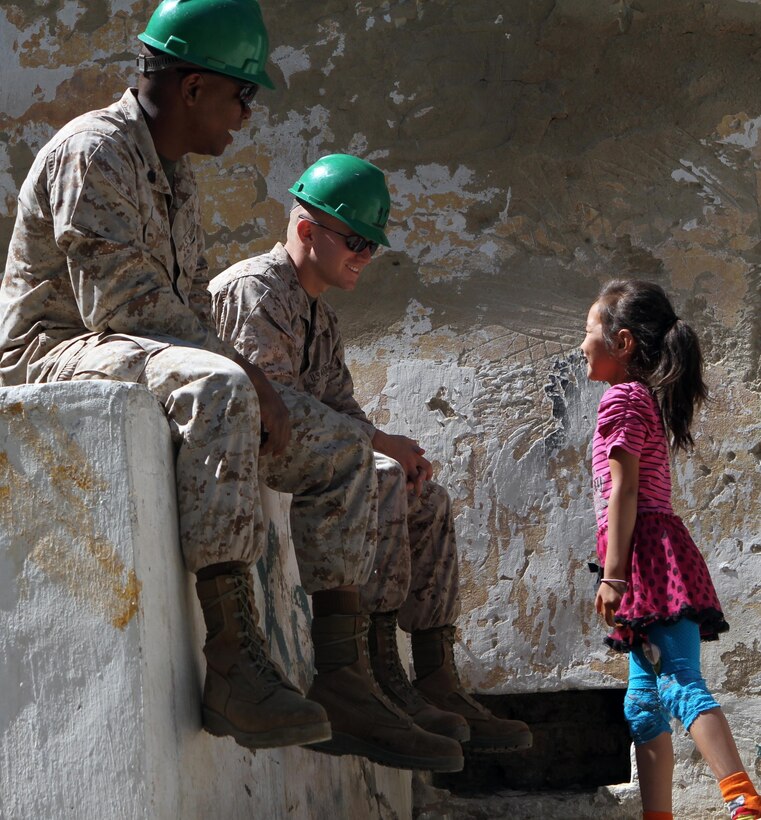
438 681
389 673
363 720
246 695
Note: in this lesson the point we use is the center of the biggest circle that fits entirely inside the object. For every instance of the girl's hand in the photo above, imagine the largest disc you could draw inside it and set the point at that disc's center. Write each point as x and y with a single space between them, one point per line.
622 515
607 602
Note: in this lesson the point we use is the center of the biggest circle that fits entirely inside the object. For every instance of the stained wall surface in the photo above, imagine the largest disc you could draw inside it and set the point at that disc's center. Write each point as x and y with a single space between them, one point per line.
101 634
533 150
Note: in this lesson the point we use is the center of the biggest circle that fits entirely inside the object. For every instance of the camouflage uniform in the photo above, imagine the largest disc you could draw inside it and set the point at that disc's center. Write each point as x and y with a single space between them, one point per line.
259 306
106 279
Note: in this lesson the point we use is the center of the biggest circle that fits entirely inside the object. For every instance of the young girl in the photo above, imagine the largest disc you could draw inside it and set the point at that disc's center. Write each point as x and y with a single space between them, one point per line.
655 588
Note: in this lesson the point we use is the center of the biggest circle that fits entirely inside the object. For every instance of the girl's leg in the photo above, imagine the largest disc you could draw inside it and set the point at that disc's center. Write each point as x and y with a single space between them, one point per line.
655 765
651 732
684 692
714 740
713 737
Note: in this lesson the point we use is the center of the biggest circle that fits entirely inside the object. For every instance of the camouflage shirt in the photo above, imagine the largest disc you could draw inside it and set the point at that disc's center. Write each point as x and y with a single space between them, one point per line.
102 244
259 306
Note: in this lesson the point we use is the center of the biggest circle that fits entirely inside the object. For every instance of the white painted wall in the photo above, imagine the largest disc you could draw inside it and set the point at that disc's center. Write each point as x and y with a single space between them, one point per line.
100 634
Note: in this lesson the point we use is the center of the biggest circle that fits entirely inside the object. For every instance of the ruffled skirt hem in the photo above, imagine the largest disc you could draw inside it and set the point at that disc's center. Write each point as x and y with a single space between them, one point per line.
668 580
630 634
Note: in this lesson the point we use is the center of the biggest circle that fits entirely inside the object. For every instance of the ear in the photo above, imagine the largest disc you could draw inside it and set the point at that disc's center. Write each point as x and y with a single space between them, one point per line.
625 343
190 87
304 230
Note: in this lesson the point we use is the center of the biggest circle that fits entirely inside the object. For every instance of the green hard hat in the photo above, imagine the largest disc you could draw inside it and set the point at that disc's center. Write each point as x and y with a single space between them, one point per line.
351 189
226 36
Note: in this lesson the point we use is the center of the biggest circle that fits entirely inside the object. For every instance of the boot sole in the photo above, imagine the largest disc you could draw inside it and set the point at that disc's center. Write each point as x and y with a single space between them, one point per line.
461 734
219 726
343 744
495 745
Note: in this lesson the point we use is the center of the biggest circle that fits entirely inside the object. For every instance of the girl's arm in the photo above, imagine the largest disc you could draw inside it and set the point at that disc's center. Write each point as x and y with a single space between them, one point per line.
622 513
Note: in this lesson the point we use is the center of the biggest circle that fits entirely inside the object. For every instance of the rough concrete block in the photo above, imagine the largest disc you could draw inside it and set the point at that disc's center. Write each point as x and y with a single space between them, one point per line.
100 633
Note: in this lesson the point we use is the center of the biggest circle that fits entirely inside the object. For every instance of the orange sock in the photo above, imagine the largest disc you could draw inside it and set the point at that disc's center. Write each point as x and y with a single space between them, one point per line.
657 815
740 796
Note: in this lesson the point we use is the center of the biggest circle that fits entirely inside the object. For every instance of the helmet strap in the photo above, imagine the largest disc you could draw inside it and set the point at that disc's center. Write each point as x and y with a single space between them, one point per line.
148 64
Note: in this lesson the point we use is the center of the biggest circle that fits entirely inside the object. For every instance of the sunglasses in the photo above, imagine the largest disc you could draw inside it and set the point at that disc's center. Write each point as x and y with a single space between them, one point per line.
245 95
355 243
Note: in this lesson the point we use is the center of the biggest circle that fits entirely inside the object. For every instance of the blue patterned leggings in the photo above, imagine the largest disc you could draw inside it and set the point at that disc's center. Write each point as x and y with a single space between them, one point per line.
673 686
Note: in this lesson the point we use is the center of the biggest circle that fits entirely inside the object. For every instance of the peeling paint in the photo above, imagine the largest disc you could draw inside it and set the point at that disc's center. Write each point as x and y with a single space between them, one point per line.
290 61
743 668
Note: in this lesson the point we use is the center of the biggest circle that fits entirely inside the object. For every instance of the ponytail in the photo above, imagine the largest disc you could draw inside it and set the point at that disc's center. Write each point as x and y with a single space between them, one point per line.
666 357
677 382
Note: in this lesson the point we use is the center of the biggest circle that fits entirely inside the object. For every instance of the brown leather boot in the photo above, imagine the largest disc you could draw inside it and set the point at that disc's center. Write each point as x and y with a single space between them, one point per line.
246 695
438 681
393 680
363 720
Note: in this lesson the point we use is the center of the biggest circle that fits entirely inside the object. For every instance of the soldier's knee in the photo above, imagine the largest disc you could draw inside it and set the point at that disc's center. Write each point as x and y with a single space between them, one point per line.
391 475
349 440
232 379
239 386
437 496
646 715
222 387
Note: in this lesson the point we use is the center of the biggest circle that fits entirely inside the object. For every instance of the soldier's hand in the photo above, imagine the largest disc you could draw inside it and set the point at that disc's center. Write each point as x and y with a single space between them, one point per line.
276 425
409 454
275 421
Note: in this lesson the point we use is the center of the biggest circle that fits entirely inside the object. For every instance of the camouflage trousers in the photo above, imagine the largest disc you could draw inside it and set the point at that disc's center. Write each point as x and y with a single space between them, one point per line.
353 521
213 411
351 509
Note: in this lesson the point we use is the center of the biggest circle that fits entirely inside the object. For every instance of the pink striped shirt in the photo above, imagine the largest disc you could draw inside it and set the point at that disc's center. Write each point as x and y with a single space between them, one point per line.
628 417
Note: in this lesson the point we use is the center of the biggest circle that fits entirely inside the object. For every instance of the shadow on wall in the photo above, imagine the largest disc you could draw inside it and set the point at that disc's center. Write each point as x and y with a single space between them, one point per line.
581 741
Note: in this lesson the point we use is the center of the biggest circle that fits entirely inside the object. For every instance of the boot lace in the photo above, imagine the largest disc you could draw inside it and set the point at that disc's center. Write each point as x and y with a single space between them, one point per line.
398 681
360 637
252 639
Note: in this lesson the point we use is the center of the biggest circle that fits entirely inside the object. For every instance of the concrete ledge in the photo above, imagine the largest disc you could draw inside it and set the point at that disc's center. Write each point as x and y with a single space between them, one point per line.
101 635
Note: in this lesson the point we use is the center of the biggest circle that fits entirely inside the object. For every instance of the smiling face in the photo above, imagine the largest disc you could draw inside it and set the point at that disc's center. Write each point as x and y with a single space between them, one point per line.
603 363
326 262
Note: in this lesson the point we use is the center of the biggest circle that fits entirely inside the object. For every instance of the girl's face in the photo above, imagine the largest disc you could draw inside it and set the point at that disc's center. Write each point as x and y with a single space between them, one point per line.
604 364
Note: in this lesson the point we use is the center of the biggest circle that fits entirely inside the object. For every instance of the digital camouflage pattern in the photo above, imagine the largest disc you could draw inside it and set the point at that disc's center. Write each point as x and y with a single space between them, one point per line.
328 466
106 278
102 244
416 566
259 306
213 413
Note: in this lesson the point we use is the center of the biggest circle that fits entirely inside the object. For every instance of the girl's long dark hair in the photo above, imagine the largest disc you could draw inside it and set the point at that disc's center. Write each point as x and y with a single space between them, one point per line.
666 356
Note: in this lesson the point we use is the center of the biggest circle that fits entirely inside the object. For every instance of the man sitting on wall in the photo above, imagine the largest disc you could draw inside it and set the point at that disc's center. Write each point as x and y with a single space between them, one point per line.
356 489
106 279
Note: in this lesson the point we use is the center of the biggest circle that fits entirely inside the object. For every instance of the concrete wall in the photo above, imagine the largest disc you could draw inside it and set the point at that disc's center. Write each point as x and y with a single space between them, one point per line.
533 150
101 634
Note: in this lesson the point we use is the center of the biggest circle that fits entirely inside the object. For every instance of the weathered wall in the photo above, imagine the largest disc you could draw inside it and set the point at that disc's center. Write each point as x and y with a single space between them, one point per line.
101 634
534 149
